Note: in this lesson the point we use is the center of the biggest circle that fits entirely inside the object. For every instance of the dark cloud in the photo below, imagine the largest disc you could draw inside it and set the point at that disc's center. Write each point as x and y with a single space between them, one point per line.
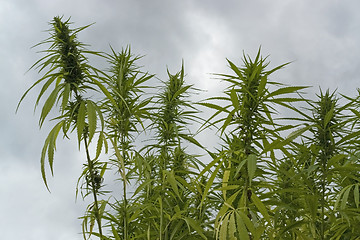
321 38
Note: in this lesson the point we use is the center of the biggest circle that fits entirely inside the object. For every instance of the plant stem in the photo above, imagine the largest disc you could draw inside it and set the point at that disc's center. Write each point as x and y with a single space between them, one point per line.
93 186
126 224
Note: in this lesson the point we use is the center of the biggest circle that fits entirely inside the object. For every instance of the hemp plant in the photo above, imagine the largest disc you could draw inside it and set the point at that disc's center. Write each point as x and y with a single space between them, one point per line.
167 190
241 165
321 166
125 113
72 79
258 184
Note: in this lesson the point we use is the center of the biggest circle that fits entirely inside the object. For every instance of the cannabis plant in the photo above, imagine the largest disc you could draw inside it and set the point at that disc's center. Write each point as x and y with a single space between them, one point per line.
241 165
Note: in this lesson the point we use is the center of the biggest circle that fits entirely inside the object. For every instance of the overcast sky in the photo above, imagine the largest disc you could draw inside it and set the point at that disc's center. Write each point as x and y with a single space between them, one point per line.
320 37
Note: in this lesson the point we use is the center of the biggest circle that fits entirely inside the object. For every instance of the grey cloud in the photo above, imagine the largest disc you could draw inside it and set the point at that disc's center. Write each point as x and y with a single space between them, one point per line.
320 37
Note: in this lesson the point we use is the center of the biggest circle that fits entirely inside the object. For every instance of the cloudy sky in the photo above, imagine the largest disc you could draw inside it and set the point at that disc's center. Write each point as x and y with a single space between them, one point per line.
320 37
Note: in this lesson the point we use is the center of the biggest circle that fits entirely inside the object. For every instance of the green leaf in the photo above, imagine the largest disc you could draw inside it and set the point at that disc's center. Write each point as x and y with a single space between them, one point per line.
235 69
335 159
234 99
262 84
261 207
103 169
284 90
48 105
227 204
119 158
226 179
195 226
249 224
99 145
181 91
232 226
213 106
278 143
329 115
228 121
49 147
243 232
356 195
116 235
190 139
224 227
212 177
65 96
91 111
171 179
345 198
80 121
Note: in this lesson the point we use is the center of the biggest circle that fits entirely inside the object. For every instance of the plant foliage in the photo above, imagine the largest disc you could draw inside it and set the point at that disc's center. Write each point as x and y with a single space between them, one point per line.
272 177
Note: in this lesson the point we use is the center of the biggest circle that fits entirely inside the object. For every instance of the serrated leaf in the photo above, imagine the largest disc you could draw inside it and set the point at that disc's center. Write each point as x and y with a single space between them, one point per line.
213 106
226 179
262 84
212 177
261 207
91 118
99 145
80 121
116 235
227 204
235 69
190 139
48 105
284 90
345 198
249 224
224 228
335 159
228 121
234 99
171 179
103 169
243 232
181 91
195 226
48 149
329 115
232 226
65 96
120 159
356 195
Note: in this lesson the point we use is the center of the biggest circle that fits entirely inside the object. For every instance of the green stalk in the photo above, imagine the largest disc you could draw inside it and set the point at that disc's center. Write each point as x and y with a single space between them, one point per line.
93 186
126 224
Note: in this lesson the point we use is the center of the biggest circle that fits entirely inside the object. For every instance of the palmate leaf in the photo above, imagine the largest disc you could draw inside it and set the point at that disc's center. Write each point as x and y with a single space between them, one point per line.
48 149
219 161
343 196
49 104
173 183
225 208
193 224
